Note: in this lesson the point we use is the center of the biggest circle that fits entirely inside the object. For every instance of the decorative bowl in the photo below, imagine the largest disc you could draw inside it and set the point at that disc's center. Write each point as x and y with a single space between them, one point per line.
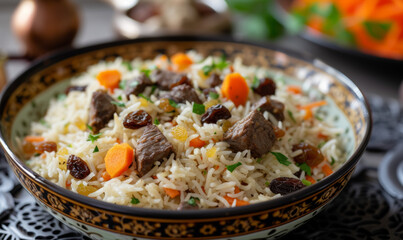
26 98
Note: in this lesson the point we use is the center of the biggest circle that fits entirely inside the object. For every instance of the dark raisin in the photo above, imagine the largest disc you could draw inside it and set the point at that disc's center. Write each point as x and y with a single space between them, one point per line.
214 80
285 185
45 146
266 87
137 119
75 88
215 113
310 155
298 173
78 168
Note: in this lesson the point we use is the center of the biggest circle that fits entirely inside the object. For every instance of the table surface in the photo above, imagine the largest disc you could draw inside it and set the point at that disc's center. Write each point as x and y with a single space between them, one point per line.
373 78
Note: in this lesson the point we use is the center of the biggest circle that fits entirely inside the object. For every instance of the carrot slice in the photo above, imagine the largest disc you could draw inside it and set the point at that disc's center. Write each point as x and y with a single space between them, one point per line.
238 203
311 179
106 176
197 143
171 192
181 61
294 89
314 104
118 159
109 79
308 114
32 139
235 89
237 190
327 170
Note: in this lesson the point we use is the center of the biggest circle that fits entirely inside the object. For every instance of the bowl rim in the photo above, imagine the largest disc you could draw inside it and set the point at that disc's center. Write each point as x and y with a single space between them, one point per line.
41 64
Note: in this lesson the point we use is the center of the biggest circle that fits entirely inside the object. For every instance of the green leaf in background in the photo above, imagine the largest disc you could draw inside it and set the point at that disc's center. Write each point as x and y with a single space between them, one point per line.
332 17
345 37
296 22
377 30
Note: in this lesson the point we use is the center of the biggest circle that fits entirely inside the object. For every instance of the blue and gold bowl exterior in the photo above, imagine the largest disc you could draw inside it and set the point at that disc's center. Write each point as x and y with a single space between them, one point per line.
103 220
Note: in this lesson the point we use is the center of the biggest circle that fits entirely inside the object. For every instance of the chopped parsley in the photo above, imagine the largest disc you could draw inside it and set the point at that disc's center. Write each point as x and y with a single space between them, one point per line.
255 82
320 145
119 104
96 149
267 183
122 84
44 123
377 30
333 161
146 72
89 127
128 65
146 98
199 108
281 158
318 117
213 95
153 88
232 167
304 167
291 116
219 65
192 201
135 200
204 172
306 182
259 160
120 98
172 103
156 122
61 97
215 133
94 137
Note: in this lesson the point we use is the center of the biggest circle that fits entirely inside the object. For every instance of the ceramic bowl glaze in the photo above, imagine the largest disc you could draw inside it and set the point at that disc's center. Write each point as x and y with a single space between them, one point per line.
26 99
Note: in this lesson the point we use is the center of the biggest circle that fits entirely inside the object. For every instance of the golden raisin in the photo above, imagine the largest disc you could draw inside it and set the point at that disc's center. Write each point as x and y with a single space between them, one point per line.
179 133
86 190
165 105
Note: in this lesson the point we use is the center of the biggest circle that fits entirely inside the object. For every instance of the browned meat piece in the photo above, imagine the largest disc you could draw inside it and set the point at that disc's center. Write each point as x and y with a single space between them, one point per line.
272 106
151 147
101 110
75 88
137 119
78 167
167 80
187 206
285 185
215 113
310 155
253 132
214 80
182 93
266 87
137 85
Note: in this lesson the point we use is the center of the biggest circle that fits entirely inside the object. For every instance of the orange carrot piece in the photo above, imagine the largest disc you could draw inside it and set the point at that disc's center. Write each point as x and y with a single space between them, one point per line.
216 167
181 61
171 192
327 170
308 114
197 143
109 79
294 89
154 177
314 104
106 176
237 190
322 136
238 203
311 179
34 139
118 159
235 89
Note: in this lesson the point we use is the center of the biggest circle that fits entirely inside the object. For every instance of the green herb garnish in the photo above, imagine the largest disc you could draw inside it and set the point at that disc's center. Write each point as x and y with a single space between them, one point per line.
255 83
96 149
120 98
156 122
213 95
291 116
122 84
61 97
173 103
146 98
37 154
135 200
377 30
304 167
44 123
199 108
192 201
333 161
259 160
306 182
146 72
207 69
89 127
94 137
267 183
119 104
320 145
204 172
232 167
220 65
281 158
153 88
128 65
318 117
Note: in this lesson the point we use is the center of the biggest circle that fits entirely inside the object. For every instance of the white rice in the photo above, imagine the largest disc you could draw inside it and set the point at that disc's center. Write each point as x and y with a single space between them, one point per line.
193 172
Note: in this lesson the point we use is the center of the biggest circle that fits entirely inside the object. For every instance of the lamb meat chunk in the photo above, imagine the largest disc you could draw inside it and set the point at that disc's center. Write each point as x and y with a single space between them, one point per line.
266 87
167 80
101 110
182 93
151 147
253 132
272 106
215 113
214 80
137 85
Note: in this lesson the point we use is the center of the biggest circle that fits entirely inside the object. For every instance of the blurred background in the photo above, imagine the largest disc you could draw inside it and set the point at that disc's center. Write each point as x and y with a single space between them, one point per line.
361 38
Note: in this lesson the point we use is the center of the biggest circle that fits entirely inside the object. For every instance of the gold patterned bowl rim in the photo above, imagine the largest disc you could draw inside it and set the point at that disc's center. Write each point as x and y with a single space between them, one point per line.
289 199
